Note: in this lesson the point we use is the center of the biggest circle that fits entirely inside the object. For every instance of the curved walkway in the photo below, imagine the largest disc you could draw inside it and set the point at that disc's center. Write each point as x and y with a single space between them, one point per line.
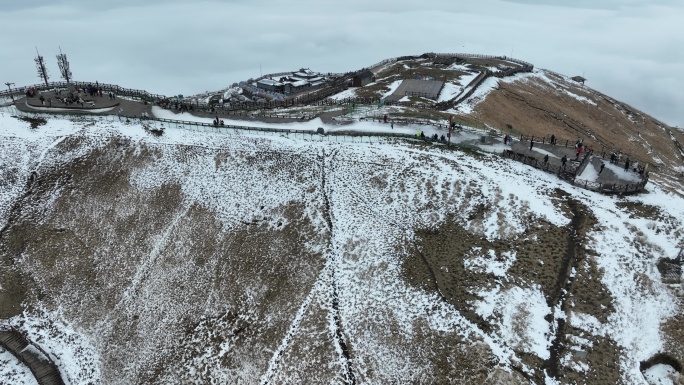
102 105
612 180
134 109
608 181
43 368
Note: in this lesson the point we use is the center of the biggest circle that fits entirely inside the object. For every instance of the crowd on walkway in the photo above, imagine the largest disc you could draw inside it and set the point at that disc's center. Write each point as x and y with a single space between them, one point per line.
70 97
218 122
616 158
433 138
176 105
615 180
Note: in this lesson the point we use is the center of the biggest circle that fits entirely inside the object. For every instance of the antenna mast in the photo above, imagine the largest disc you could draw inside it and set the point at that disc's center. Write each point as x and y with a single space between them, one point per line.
40 66
63 64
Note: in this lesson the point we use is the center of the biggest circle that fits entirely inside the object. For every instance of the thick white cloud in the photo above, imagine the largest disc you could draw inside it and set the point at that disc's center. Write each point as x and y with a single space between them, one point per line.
628 49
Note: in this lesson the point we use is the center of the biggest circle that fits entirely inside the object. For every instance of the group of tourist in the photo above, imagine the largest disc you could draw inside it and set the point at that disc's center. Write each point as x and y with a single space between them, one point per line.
580 148
42 100
636 167
218 122
455 126
70 97
616 158
93 90
433 138
31 92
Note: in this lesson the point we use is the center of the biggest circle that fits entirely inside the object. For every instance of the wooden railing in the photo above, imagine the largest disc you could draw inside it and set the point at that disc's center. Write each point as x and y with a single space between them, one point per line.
467 55
570 173
467 92
36 359
159 124
421 94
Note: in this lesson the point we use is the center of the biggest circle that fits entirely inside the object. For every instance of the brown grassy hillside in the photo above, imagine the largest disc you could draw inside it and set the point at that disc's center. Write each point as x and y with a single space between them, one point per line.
541 103
544 103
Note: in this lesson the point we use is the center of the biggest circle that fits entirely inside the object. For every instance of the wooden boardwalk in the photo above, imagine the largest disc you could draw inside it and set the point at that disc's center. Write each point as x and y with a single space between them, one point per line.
135 109
607 182
43 368
539 150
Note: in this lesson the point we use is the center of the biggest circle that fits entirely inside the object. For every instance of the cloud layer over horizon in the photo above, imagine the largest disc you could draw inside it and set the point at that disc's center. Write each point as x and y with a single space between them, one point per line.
626 49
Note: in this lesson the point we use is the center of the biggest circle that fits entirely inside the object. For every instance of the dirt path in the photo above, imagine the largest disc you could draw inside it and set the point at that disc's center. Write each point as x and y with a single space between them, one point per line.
564 281
350 378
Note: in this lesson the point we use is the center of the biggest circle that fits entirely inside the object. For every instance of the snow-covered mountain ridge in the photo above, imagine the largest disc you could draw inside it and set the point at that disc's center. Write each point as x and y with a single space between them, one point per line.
207 258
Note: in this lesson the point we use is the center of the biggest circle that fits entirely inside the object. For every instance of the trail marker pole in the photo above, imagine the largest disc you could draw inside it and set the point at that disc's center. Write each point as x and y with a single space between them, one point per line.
451 118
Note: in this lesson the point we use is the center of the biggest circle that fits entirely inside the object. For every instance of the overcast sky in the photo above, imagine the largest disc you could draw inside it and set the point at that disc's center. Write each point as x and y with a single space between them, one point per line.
628 49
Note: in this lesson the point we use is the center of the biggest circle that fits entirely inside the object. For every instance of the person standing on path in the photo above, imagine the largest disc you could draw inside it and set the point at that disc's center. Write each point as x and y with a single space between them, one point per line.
603 165
564 160
627 164
546 158
531 144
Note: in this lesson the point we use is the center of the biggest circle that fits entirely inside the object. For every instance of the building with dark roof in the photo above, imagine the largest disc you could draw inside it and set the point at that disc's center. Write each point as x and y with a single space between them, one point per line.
305 73
270 85
292 87
578 79
294 82
363 78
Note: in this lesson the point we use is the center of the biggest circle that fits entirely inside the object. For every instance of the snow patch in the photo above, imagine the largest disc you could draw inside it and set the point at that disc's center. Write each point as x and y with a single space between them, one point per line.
521 312
489 262
662 375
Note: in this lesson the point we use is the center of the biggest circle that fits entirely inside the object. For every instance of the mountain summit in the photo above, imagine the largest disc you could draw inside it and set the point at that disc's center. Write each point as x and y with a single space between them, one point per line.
248 246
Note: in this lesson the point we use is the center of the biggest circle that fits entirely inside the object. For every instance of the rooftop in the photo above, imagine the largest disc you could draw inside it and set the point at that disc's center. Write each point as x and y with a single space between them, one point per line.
300 83
270 82
366 74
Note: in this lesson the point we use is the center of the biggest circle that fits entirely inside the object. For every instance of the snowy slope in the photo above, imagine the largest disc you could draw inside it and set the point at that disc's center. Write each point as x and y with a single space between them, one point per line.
208 258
